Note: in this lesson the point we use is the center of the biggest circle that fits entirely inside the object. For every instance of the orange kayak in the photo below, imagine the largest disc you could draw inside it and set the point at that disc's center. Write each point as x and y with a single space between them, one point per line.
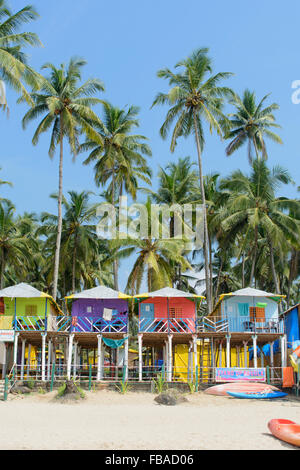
240 387
285 430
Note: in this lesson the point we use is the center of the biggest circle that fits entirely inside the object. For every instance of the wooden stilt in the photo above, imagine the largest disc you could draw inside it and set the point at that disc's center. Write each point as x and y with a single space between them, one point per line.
70 351
126 358
195 354
23 358
140 341
245 354
49 360
220 353
75 360
228 351
272 360
44 336
254 339
99 360
16 348
170 358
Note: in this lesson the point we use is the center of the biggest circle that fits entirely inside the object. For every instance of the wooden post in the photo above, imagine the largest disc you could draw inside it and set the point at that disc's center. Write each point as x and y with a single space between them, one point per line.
90 376
44 336
52 377
16 348
28 360
140 340
70 350
268 374
195 365
4 361
49 360
166 360
272 360
245 354
238 355
283 353
190 363
213 362
228 351
126 358
75 360
23 358
170 358
220 353
254 339
99 360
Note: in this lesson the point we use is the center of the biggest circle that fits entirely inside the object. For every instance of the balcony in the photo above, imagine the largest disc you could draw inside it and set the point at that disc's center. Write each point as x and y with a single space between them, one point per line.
30 323
88 324
165 325
238 325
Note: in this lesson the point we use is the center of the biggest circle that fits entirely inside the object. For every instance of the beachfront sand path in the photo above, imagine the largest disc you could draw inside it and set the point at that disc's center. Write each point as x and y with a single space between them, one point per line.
108 420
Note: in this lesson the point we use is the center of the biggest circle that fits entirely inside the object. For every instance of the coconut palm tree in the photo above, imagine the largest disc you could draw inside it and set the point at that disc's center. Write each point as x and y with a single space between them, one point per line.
250 124
66 104
156 257
2 182
79 242
253 207
194 97
14 247
120 161
14 69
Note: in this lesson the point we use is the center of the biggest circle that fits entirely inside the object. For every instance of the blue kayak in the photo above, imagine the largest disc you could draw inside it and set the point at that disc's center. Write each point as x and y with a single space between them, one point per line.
261 395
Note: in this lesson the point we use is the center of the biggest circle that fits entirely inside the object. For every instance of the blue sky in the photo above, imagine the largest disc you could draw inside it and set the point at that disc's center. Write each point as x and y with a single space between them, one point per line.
125 43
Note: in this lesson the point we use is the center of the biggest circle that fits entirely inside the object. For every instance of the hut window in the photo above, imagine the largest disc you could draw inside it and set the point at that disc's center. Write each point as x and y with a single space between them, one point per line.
257 314
30 310
2 307
89 309
175 312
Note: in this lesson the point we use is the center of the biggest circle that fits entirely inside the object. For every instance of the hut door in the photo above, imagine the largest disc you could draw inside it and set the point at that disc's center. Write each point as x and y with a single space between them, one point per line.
147 316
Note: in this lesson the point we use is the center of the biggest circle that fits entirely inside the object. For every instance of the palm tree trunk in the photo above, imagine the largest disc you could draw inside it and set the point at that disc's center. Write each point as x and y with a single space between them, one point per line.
254 259
2 271
59 219
115 261
275 279
206 256
218 283
74 265
210 269
243 270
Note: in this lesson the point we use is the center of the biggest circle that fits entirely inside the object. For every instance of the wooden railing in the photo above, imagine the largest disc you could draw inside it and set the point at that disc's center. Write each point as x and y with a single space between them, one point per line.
118 324
238 325
164 325
30 323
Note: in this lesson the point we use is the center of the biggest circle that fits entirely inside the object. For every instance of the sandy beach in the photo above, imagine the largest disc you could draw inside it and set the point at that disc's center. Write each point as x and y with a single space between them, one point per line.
108 420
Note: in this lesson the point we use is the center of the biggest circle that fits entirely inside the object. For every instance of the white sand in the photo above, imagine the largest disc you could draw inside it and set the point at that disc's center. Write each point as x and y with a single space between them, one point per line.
108 420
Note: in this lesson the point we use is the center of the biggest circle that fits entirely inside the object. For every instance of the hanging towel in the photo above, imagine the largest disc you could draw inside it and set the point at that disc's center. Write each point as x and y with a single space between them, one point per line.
107 314
244 310
288 377
114 343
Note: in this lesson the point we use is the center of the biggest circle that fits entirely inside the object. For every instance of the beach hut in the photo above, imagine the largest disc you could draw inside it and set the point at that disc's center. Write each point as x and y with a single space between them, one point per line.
167 317
30 314
248 315
97 316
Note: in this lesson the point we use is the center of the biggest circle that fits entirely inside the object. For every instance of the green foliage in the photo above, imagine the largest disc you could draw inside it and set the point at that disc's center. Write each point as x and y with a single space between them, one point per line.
160 384
192 386
123 387
30 383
